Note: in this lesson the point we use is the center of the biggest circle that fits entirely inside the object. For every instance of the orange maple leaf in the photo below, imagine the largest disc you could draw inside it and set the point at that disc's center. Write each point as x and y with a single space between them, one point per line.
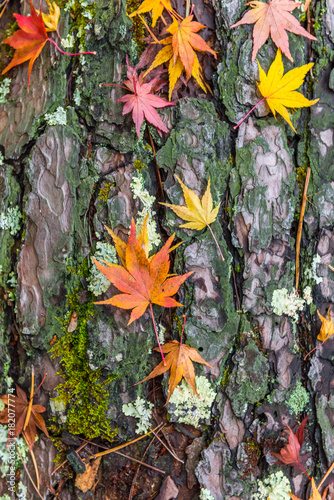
185 40
179 361
28 41
143 280
179 52
326 330
21 405
273 19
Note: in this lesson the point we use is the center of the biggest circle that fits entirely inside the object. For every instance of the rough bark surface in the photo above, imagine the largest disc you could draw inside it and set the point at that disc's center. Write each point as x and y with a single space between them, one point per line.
70 180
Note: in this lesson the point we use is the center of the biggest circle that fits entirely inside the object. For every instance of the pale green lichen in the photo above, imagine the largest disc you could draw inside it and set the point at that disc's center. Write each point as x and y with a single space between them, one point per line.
5 452
68 42
58 117
307 294
97 282
141 410
1 159
298 399
11 220
161 334
287 303
22 490
139 191
311 273
274 487
189 408
4 89
205 494
5 497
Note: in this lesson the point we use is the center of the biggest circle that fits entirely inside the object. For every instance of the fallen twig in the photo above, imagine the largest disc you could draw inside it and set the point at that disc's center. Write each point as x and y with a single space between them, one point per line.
65 461
29 476
33 459
300 227
126 456
112 450
137 471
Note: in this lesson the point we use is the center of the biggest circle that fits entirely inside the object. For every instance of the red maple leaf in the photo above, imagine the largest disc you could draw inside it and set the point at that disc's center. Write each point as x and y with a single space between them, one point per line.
289 455
142 102
28 41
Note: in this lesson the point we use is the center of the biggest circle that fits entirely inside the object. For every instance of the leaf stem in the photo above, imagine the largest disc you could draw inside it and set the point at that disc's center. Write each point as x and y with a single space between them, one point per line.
300 465
69 54
213 236
156 334
249 112
300 226
148 29
26 421
316 347
184 322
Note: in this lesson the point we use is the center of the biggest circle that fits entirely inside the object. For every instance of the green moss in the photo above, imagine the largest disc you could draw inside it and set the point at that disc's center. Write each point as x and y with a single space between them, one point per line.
139 165
83 391
138 26
104 191
81 13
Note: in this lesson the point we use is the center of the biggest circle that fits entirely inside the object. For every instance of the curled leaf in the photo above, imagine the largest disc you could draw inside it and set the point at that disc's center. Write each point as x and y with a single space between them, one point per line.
327 326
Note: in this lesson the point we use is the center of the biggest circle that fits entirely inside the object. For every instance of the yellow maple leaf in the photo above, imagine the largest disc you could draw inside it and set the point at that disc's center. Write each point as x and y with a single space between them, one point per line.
51 20
280 91
155 6
198 213
327 326
315 493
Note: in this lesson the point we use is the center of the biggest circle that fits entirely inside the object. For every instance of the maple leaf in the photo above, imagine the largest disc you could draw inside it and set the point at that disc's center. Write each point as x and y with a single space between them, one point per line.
179 361
326 330
142 102
327 326
143 280
28 41
200 214
155 6
21 409
289 455
273 19
179 52
51 20
185 40
279 91
315 493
